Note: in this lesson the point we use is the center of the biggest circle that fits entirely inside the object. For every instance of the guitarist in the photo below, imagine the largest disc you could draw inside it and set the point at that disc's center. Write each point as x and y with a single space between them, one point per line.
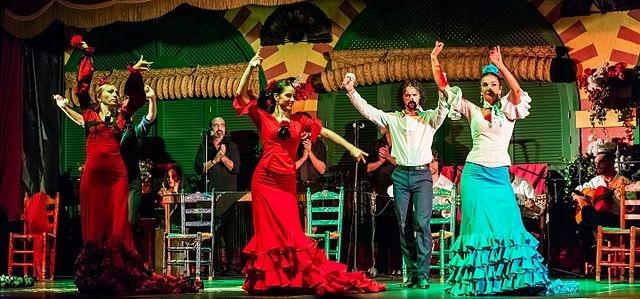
606 177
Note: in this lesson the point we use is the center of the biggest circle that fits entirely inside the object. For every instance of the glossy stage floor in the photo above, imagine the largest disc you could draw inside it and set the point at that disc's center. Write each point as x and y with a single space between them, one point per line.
230 288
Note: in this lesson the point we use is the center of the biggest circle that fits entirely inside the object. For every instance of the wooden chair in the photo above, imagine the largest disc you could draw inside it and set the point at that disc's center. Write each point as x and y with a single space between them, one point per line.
197 216
22 245
324 213
446 206
619 252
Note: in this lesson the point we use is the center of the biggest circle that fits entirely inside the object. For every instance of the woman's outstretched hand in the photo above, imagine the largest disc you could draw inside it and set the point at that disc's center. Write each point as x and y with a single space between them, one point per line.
60 100
358 154
142 64
256 60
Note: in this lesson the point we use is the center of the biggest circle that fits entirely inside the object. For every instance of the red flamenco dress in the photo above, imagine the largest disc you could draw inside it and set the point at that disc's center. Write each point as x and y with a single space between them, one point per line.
108 262
281 258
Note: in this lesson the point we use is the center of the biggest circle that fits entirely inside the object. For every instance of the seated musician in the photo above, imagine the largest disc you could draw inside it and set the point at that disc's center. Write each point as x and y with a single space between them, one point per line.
442 186
530 210
171 181
597 202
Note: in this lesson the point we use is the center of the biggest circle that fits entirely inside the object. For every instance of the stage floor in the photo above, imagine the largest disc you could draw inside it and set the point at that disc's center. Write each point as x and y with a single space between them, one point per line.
230 288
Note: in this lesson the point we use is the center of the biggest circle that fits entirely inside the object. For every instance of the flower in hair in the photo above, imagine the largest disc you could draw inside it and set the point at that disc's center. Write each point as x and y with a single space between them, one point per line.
76 41
490 69
103 81
303 91
271 86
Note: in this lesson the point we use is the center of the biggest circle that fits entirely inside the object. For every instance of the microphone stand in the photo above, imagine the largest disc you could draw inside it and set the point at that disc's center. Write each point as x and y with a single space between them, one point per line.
356 133
372 204
547 229
205 134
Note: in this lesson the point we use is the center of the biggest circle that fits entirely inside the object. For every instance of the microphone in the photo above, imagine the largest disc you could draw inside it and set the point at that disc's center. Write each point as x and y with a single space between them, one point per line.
207 132
358 123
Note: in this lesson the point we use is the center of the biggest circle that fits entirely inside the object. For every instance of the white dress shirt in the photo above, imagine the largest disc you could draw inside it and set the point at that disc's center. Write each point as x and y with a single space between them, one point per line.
411 138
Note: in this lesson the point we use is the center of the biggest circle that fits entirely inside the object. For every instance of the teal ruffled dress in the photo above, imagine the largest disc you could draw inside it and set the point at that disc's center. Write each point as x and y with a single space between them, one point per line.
494 253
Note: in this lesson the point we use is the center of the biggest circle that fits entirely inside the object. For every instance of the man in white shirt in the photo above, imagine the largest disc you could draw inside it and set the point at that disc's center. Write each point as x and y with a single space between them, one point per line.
590 218
412 131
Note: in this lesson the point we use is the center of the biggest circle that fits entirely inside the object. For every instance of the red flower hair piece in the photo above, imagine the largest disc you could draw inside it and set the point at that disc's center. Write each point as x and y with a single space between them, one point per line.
76 41
103 81
271 86
303 91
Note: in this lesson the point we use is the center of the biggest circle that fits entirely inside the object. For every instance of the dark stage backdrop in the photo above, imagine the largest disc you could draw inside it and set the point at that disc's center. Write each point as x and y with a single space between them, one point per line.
10 125
43 70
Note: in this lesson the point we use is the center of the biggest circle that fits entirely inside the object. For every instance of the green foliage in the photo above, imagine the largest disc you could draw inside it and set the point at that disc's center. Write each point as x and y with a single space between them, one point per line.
581 166
16 281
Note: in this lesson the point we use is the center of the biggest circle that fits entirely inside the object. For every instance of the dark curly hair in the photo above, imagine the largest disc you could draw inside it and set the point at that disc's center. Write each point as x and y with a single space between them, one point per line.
266 101
608 155
410 83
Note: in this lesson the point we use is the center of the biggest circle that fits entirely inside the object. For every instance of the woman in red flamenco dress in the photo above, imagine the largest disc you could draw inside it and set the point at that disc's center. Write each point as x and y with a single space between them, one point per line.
282 259
108 262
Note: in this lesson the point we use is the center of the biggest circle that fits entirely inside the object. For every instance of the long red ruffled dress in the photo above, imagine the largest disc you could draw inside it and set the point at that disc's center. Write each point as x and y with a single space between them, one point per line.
108 262
281 257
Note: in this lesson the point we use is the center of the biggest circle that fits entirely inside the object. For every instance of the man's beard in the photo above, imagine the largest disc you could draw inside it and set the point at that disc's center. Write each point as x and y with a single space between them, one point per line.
411 106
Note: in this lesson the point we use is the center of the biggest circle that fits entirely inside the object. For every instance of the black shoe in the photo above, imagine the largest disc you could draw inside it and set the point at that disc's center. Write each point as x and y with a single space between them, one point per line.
410 283
423 283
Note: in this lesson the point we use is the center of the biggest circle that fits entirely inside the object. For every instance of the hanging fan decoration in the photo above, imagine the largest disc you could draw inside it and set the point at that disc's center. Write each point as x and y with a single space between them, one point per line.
294 23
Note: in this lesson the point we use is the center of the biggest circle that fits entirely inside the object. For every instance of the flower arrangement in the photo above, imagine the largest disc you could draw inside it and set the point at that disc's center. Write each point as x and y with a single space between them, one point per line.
581 167
609 87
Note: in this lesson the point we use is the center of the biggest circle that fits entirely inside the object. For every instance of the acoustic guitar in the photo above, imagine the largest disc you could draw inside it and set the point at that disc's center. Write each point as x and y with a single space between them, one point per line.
601 198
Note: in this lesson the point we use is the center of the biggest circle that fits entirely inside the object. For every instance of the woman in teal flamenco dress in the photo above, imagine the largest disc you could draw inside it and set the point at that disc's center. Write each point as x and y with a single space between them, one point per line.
493 253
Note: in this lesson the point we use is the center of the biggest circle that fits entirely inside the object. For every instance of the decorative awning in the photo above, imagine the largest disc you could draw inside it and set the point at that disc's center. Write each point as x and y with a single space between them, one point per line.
531 63
25 19
219 81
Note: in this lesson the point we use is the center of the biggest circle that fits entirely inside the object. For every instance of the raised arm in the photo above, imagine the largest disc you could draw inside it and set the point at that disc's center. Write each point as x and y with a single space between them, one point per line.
63 103
243 87
134 88
85 72
150 94
496 58
449 98
439 75
371 113
355 152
